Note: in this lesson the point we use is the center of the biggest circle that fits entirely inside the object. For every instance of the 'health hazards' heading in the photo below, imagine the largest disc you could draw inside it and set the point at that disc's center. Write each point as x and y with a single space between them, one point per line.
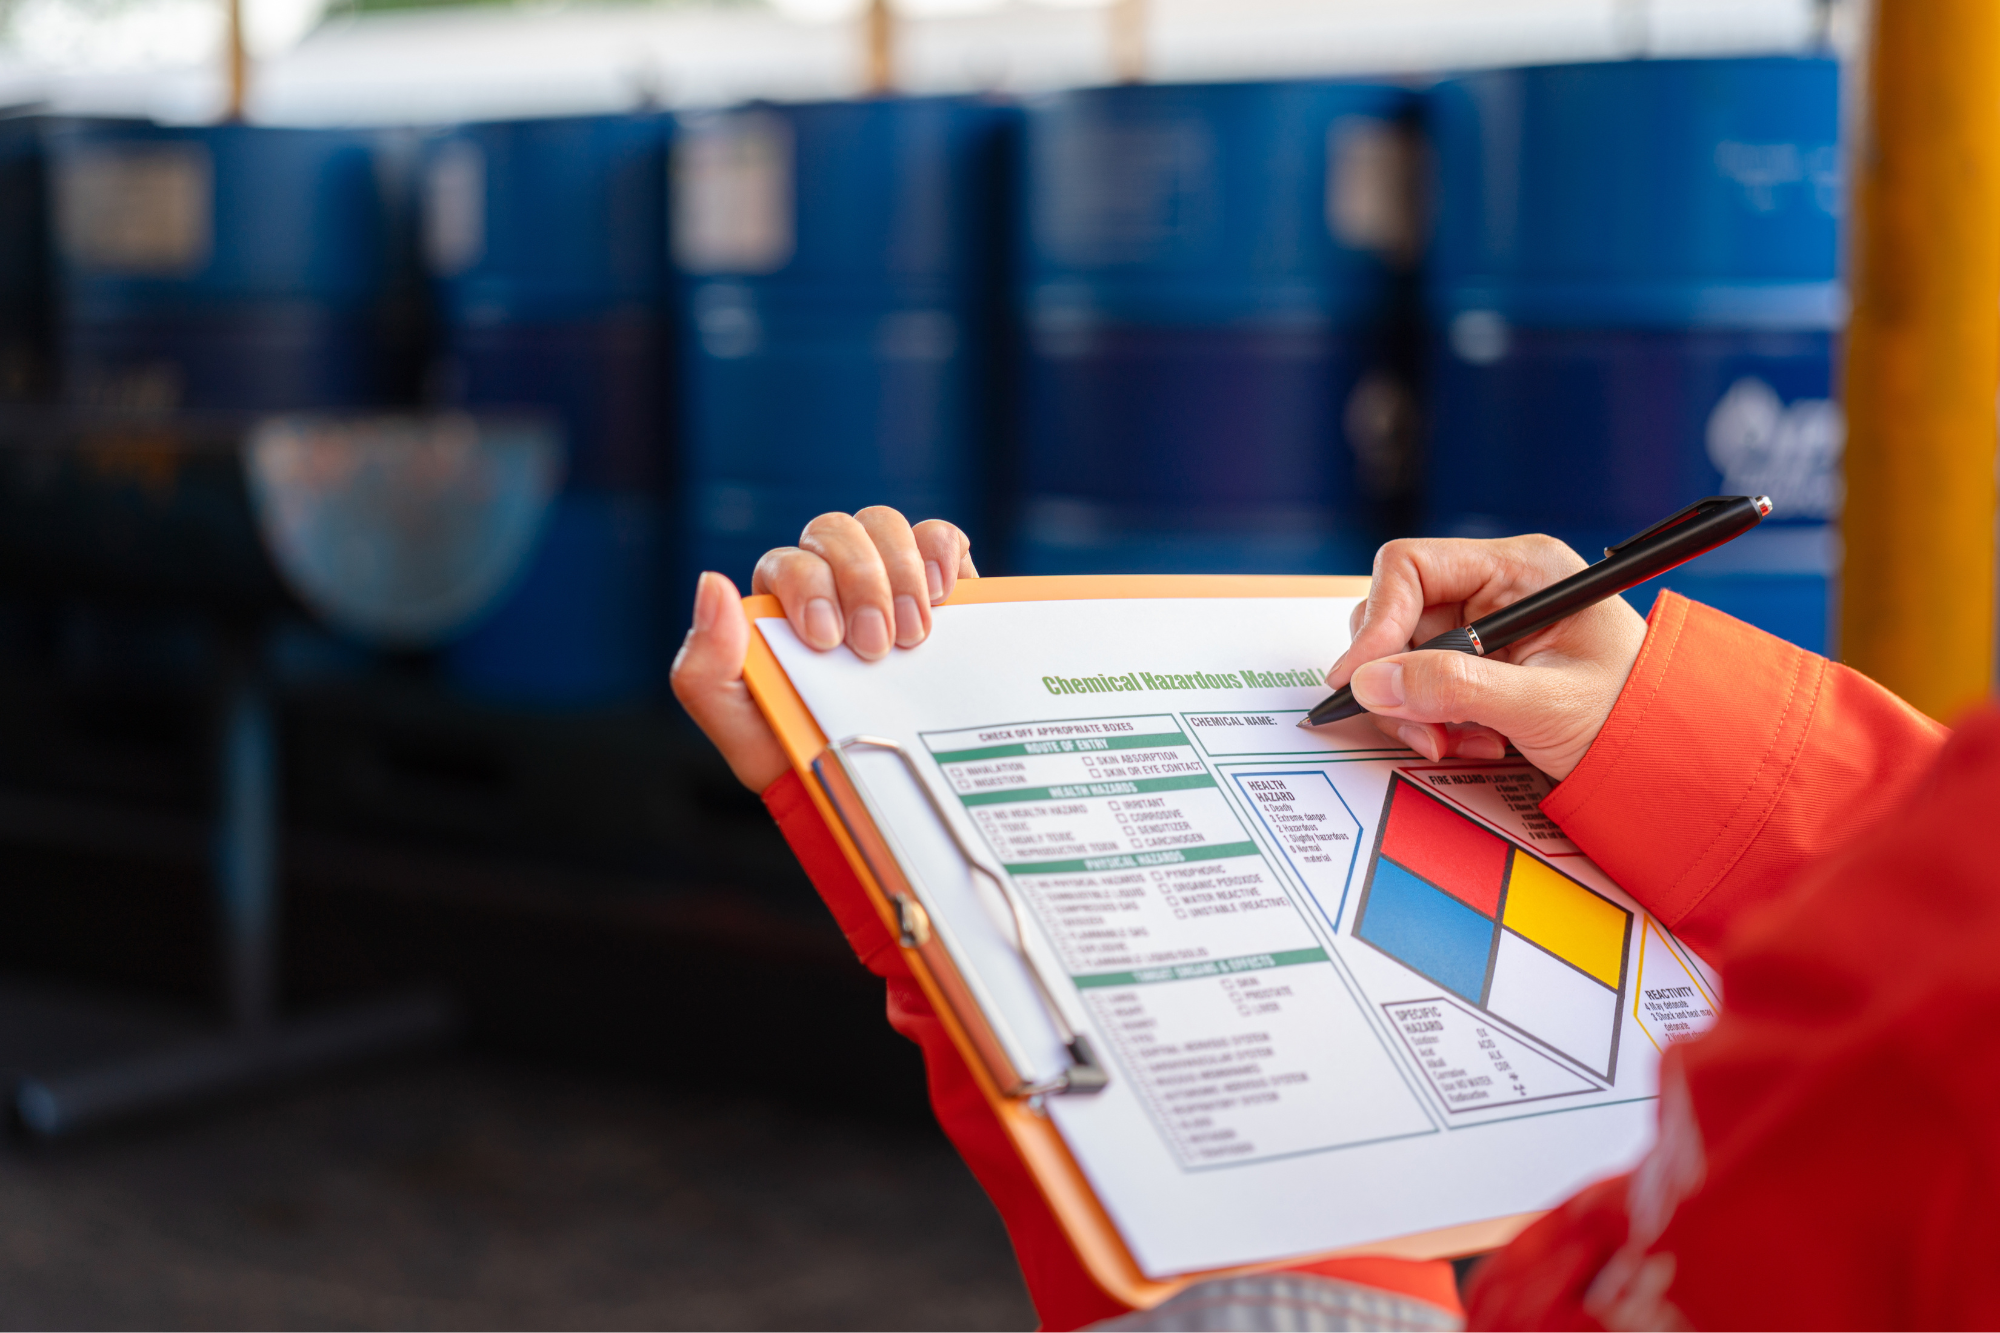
1134 681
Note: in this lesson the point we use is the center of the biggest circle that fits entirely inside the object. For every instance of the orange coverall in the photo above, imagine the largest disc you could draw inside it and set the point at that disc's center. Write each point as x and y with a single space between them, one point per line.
1829 1153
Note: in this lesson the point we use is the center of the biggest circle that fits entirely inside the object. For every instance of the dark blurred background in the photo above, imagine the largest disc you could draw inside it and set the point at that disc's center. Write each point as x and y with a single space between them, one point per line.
379 946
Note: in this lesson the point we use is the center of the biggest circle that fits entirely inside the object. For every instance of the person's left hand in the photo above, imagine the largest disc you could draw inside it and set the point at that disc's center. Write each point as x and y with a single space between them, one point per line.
868 579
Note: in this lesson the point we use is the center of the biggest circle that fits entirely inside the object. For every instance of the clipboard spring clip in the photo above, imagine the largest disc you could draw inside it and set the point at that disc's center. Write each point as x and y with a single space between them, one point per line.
1086 1073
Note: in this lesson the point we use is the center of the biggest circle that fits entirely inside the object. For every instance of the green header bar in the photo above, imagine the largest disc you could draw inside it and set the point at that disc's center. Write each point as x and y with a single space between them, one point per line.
1072 791
1064 745
1213 967
1135 860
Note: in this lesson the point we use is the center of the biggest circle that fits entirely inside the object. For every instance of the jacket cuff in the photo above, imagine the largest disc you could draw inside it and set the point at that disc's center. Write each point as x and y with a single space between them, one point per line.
1692 761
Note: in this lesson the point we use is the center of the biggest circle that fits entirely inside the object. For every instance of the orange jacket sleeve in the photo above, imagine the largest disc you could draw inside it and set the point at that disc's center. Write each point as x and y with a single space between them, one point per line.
1731 760
1063 1292
1828 1152
1821 1147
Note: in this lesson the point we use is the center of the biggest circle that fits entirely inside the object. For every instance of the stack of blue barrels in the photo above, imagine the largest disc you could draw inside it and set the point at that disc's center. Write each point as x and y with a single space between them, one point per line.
547 241
229 268
26 362
1634 292
1208 288
839 264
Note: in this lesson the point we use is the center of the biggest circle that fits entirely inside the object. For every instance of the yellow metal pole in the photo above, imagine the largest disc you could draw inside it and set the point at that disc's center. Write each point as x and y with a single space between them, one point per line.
1923 357
238 60
1128 40
879 26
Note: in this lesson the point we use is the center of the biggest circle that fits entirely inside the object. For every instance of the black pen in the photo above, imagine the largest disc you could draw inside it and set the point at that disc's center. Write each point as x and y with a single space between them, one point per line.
1674 540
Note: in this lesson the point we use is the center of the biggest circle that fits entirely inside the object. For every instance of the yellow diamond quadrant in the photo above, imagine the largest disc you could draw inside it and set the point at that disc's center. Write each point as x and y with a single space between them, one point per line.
1547 907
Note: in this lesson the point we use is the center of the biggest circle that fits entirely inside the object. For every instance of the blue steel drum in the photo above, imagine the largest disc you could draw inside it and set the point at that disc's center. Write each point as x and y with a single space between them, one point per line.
578 627
1634 294
228 268
546 240
840 264
1208 281
604 379
829 408
25 358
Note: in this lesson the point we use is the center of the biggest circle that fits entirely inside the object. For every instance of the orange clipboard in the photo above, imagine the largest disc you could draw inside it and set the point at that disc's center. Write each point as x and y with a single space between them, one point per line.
1086 1224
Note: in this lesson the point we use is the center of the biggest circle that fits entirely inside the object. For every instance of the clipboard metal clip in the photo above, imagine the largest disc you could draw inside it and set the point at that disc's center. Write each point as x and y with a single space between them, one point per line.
1086 1073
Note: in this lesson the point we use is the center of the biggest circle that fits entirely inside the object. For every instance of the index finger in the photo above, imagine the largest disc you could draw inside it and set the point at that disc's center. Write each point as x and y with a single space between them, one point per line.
1472 578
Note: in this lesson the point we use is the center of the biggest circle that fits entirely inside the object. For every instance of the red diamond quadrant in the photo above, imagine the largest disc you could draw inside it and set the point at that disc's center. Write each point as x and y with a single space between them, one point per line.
1428 837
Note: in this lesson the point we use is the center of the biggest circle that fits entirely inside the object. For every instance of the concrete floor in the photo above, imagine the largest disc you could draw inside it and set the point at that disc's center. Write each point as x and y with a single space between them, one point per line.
467 1192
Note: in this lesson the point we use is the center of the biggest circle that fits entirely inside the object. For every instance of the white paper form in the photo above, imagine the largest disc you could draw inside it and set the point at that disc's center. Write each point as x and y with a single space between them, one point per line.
1344 993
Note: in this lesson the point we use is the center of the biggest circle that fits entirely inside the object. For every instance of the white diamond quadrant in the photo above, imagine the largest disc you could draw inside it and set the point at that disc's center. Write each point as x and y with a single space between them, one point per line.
1538 991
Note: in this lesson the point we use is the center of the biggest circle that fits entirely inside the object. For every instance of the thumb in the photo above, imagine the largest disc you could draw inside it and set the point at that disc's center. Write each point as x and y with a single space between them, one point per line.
1540 708
708 680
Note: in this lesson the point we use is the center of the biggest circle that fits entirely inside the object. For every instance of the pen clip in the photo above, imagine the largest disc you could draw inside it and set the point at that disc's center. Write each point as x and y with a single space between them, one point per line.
1674 520
1086 1073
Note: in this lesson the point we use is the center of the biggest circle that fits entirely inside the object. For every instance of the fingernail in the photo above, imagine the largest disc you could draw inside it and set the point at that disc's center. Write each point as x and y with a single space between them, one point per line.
822 623
869 634
707 602
1479 745
909 622
934 576
1379 684
1418 739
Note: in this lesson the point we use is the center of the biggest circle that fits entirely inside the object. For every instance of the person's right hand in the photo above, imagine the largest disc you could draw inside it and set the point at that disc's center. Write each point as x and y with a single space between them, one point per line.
1549 694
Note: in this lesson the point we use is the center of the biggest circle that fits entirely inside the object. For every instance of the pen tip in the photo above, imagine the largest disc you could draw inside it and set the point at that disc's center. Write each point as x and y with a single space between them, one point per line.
1305 724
